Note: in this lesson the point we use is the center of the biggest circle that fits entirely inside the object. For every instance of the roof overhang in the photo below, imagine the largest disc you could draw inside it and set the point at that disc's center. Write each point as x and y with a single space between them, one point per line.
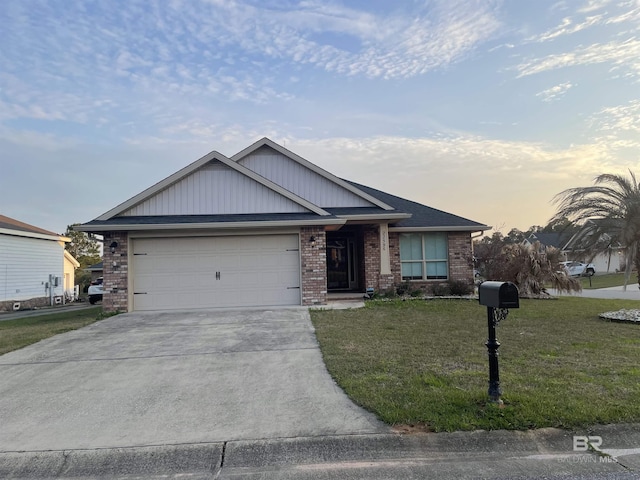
72 260
444 228
375 217
209 225
39 236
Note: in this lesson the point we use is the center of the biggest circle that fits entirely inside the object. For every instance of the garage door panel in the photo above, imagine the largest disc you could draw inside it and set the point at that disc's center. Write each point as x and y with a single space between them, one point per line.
180 273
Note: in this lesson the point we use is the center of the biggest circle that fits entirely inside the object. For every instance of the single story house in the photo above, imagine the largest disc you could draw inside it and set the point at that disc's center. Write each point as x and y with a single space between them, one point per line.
550 239
571 249
266 227
35 268
95 270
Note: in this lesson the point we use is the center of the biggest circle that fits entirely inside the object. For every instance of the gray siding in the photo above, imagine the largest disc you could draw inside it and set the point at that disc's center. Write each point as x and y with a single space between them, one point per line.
301 180
25 266
215 189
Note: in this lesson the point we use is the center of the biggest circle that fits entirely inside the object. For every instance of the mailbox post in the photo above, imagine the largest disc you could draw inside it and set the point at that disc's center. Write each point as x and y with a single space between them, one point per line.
498 297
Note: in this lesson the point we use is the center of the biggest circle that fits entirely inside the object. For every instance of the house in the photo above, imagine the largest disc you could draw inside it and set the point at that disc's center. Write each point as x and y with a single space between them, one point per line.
610 259
265 228
571 248
69 272
95 270
549 239
35 269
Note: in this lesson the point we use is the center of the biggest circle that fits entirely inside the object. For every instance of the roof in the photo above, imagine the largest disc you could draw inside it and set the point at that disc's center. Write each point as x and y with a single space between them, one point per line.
96 267
401 214
552 239
11 226
422 216
71 259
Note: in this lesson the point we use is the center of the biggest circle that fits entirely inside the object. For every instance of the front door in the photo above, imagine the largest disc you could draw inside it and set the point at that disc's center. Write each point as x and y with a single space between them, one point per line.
342 271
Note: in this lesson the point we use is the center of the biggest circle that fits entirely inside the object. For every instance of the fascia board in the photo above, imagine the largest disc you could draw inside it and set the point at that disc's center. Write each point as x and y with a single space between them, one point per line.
182 173
374 217
39 236
73 261
306 163
479 228
212 225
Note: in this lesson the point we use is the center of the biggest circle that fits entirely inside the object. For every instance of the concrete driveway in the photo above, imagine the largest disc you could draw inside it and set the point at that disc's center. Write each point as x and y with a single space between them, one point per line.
174 378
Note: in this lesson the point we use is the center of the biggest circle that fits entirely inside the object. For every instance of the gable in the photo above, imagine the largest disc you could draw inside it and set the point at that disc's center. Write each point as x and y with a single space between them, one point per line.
301 180
214 189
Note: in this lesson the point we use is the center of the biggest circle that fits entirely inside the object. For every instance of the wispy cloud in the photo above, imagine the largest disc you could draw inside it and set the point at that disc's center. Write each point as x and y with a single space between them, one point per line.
555 93
624 55
568 27
619 128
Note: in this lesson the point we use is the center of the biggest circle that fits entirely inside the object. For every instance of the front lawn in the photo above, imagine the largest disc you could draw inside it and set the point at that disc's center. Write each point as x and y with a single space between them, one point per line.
609 280
15 334
425 362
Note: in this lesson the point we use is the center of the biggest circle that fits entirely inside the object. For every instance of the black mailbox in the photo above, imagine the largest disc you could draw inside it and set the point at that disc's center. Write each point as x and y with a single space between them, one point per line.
498 295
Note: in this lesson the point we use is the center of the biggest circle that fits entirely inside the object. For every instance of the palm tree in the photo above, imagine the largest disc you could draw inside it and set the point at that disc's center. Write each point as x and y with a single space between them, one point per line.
609 212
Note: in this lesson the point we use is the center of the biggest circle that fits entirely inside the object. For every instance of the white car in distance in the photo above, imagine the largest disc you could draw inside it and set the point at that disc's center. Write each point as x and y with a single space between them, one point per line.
579 269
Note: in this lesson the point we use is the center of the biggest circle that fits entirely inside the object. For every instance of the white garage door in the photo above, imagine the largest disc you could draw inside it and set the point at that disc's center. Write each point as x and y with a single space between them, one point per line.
209 272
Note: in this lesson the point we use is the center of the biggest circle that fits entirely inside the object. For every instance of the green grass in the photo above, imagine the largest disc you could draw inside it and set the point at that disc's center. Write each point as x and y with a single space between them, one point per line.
609 280
425 362
15 334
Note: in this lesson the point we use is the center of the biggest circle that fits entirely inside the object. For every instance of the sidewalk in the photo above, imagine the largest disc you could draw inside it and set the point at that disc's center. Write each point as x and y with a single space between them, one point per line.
545 453
632 293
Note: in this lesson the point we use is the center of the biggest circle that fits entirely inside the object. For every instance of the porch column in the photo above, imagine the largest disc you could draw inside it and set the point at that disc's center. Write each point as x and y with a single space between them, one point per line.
385 260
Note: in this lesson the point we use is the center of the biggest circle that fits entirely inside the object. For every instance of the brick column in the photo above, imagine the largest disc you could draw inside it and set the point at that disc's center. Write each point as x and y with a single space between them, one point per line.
313 263
460 262
116 273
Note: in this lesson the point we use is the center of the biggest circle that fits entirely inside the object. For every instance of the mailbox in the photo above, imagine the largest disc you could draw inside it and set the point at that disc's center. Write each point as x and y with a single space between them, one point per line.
498 295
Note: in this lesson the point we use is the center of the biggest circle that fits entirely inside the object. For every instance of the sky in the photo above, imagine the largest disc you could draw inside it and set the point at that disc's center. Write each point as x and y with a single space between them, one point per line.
484 109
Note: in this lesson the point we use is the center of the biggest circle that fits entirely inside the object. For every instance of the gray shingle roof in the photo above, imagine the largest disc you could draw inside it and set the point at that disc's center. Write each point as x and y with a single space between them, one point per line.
422 216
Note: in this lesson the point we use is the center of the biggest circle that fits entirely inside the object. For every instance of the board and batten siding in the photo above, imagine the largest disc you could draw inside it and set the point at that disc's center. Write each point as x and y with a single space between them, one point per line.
301 180
25 266
215 189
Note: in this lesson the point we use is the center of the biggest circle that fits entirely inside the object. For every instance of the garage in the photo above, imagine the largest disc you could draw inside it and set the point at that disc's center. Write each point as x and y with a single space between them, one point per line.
215 272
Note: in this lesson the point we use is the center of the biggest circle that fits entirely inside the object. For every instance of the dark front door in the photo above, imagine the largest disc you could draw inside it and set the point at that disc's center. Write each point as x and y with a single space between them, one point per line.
342 271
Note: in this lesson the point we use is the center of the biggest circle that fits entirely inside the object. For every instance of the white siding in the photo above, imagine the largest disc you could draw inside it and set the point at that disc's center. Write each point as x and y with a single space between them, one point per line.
25 266
215 189
301 180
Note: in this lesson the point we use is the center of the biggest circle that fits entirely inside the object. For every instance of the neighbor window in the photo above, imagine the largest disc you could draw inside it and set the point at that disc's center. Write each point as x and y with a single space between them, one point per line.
423 256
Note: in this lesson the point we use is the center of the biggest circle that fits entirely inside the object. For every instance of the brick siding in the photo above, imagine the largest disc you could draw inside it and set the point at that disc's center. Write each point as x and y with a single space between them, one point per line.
116 294
313 264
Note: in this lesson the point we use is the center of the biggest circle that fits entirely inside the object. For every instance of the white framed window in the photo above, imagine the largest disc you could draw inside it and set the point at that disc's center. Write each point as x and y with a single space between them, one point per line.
424 256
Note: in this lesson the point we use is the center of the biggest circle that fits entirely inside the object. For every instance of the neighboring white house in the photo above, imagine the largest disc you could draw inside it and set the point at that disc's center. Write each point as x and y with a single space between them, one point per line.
35 269
607 262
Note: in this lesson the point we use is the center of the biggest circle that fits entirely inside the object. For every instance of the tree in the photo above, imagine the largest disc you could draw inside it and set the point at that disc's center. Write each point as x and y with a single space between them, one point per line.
528 266
608 213
83 248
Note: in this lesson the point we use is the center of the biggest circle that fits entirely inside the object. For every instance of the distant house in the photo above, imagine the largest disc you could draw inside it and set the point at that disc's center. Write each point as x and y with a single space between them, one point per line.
96 270
612 260
571 248
552 239
35 269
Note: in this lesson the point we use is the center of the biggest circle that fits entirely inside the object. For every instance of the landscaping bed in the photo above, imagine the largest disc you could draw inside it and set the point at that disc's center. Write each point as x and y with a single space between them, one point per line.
425 363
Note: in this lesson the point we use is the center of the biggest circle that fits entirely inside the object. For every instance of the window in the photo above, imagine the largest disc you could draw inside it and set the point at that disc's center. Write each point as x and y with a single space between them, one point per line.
423 256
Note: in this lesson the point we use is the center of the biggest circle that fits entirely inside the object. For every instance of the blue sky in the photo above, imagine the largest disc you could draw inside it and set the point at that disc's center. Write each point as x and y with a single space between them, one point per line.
485 109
